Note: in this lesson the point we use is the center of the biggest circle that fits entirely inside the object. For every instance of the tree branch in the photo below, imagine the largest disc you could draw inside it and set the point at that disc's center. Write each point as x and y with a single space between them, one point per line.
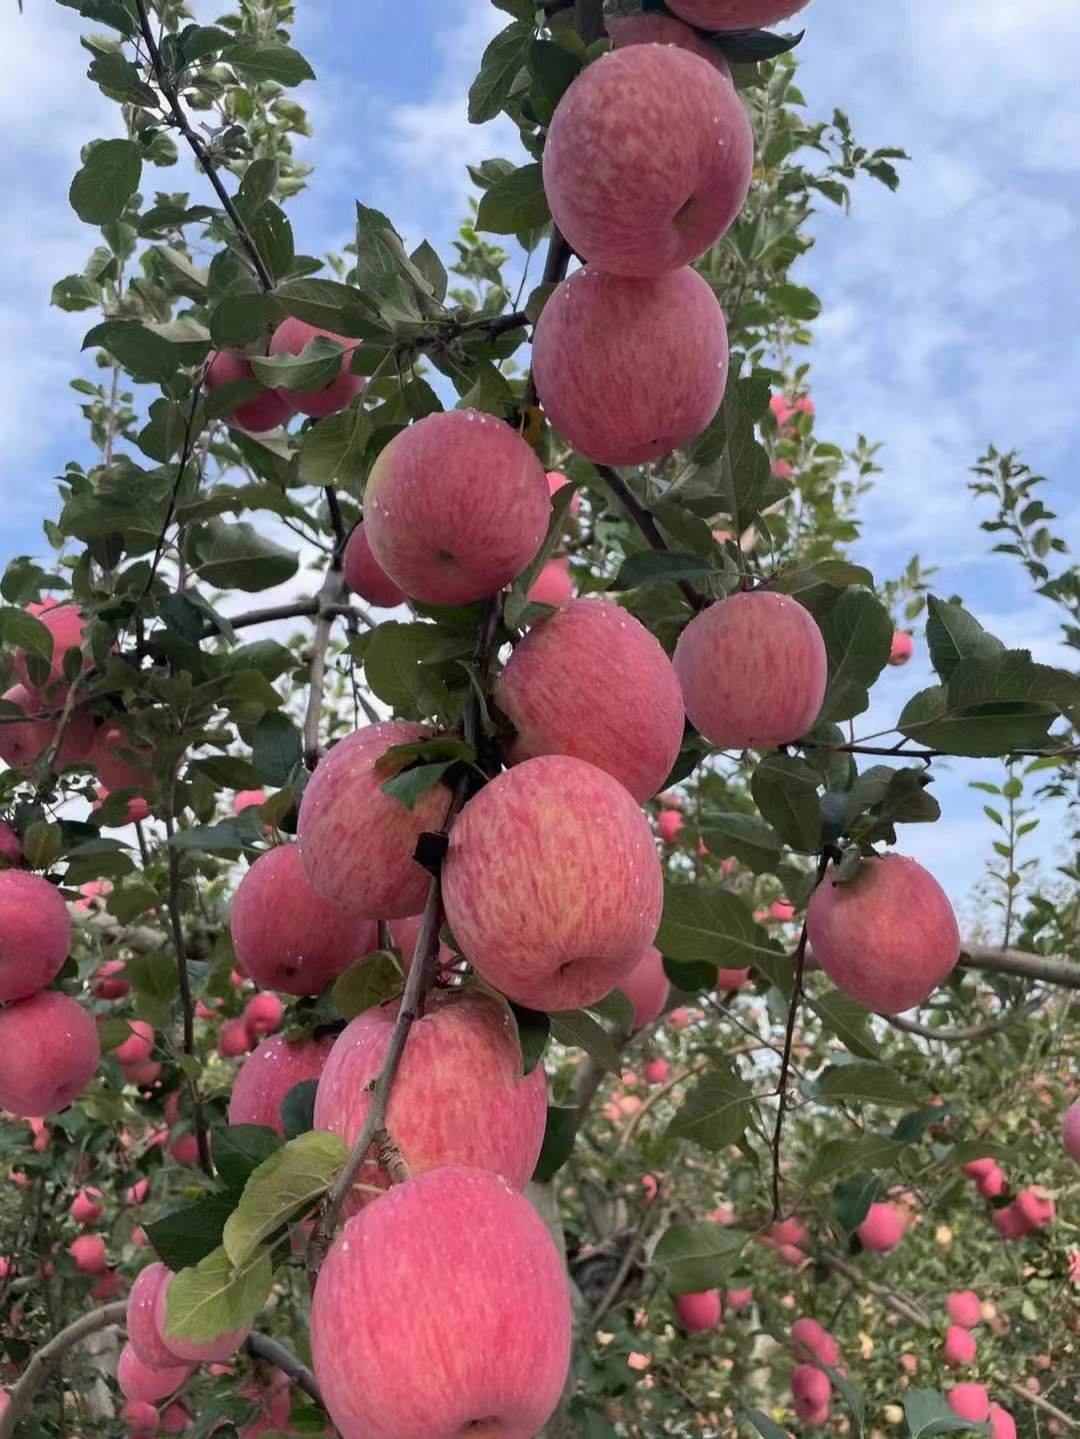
261 1346
648 527
961 1035
22 1392
1022 1392
332 593
899 1303
1048 969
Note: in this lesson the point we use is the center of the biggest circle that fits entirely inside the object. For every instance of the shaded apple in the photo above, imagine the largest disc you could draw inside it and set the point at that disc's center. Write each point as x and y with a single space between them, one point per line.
959 1347
138 1381
698 1312
883 1228
365 576
291 337
261 412
646 987
643 28
553 585
734 14
970 1401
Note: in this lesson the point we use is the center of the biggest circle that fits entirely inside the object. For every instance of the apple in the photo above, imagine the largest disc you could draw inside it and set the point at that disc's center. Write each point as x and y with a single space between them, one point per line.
139 1045
698 1312
574 685
976 1168
1035 1206
736 1299
365 576
10 844
137 1192
553 585
35 933
992 1182
731 979
816 1340
628 369
556 480
811 1391
1070 1131
175 1418
901 648
716 15
143 1333
88 1254
656 29
668 824
631 206
291 337
1009 1222
400 1374
141 1418
782 469
970 1401
753 669
67 625
234 1039
215 1351
887 937
263 1013
679 1019
107 1287
656 1071
86 1208
964 1307
959 1347
1002 1424
356 843
137 809
455 507
138 1381
25 741
120 761
49 1050
646 986
552 911
184 1149
459 1096
248 799
264 411
268 1074
404 934
883 1228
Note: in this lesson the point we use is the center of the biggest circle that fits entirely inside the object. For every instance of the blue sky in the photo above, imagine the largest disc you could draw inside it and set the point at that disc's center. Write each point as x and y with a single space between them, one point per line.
951 309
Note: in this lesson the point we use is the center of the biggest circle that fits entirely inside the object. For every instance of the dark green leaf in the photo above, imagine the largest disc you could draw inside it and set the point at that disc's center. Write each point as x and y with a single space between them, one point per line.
239 1149
147 355
837 1156
265 60
333 450
502 61
370 981
411 785
694 1257
715 1112
515 203
928 1415
183 1237
578 1030
652 567
852 1198
298 1108
108 179
559 1136
708 926
858 634
869 1083
744 836
785 791
121 80
953 635
236 556
315 367
277 748
534 1030
849 1021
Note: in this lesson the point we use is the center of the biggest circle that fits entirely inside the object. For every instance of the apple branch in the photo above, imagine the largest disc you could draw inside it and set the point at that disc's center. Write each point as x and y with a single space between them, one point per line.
648 527
48 1357
261 1346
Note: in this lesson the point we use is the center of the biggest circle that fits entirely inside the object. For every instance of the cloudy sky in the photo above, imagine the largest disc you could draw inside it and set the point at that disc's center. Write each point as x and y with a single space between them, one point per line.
951 310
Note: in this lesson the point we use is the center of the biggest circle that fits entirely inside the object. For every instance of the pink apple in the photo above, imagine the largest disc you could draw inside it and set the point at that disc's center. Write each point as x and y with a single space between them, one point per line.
107 1287
120 761
553 585
556 481
780 909
887 937
184 1149
138 808
286 935
175 1418
138 1381
140 1417
137 1192
679 1019
10 844
553 912
970 1401
883 1228
1009 1222
105 982
716 15
365 576
291 337
144 1335
626 204
1002 1424
234 1039
88 1253
668 824
736 1299
86 1207
248 799
404 934
396 1376
992 1182
698 1312
729 979
959 1347
459 1096
265 411
646 986
811 1390
49 1050
629 369
268 1074
964 1307
656 1071
645 29
976 1168
1070 1130
753 669
901 649
25 741
1035 1206
816 1340
356 843
574 686
215 1351
263 1013
35 933
455 507
67 625
782 469
139 1045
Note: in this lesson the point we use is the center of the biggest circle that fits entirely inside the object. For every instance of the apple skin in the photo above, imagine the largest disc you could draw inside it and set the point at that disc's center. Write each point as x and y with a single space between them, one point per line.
365 576
455 507
553 585
459 1096
108 760
21 744
66 624
356 843
86 1208
646 29
1002 1424
35 933
668 824
816 1340
10 845
396 1376
139 1045
734 14
992 1183
144 1336
698 1312
268 1074
1070 1131
811 1391
626 204
573 686
731 979
887 937
629 369
656 1071
214 1352
556 480
753 669
882 1229
138 1381
901 648
1009 1222
287 936
959 1347
970 1401
89 1254
259 414
290 337
141 1418
49 1050
263 1013
234 1039
1035 1206
646 987
553 912
964 1307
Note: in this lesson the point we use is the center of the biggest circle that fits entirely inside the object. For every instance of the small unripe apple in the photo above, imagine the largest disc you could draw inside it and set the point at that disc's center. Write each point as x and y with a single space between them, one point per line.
35 933
49 1050
291 337
365 576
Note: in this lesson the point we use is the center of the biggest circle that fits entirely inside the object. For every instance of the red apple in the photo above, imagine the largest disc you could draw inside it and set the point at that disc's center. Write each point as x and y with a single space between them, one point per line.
139 1045
887 937
86 1207
629 369
365 576
268 1074
679 1019
668 824
553 585
1070 1131
811 1390
263 1013
883 1228
698 1312
970 1401
264 411
248 799
35 933
88 1253
901 649
655 29
816 1340
67 625
49 1050
184 1149
400 1374
1035 1206
10 844
141 1418
552 911
234 1039
716 15
992 1182
356 843
1002 1424
120 761
1009 1222
656 1071
964 1307
291 337
646 986
753 669
959 1347
138 1381
455 507
25 741
731 979
556 480
105 982
144 1336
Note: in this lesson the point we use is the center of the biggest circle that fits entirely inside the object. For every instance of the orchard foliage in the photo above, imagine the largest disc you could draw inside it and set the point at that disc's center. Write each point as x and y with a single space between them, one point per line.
720 1140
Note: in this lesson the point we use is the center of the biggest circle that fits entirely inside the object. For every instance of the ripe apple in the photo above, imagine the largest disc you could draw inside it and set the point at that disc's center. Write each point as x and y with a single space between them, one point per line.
1002 1424
234 1039
120 761
459 1096
887 937
729 979
883 1228
574 686
356 843
656 29
698 1312
556 480
901 649
646 986
626 204
1070 1130
552 911
268 1074
816 1340
679 1019
287 936
24 742
141 1418
753 669
1009 1222
811 1391
628 369
143 1333
216 1351
1035 1206
49 1050
553 585
88 1253
248 799
656 1071
959 1347
67 625
86 1207
964 1307
105 982
263 1013
365 576
668 824
992 1182
138 1381
35 933
265 411
139 1045
291 337
714 15
970 1401
455 507
399 1375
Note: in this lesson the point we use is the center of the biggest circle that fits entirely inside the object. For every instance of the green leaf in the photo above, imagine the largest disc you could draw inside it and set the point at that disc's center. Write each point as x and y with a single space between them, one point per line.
865 1151
534 1030
370 981
715 1112
616 1007
517 600
904 800
145 354
107 180
499 68
852 1198
694 1257
991 706
185 1236
395 657
290 1181
745 836
315 367
708 925
333 450
659 567
412 785
239 1149
265 60
298 1108
217 1298
578 1030
19 630
559 1135
928 1414
953 635
763 1424
870 1083
119 14
277 748
330 305
785 791
382 263
235 556
121 80
210 838
514 204
858 634
553 68
849 1021
815 585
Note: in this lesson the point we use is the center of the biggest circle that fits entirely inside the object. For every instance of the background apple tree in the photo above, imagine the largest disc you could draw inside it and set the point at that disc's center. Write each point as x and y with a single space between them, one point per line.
714 1149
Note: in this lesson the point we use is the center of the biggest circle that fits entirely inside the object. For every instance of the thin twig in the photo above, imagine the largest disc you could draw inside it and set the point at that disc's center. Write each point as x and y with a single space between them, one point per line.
648 527
1022 1392
961 1035
21 1393
654 1098
892 1299
261 1346
333 592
